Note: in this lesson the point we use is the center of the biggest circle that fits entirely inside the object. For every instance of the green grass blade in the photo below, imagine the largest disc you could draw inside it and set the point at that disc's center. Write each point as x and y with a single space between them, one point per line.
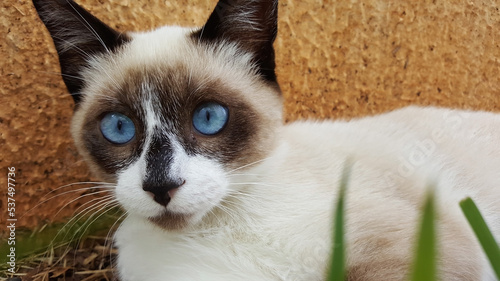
483 233
337 265
424 264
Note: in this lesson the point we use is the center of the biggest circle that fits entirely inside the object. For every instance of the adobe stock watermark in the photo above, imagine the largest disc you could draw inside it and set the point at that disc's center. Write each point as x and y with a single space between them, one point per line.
11 219
421 150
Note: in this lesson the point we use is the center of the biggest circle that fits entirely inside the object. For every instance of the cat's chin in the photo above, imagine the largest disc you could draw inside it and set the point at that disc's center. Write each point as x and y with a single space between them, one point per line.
171 221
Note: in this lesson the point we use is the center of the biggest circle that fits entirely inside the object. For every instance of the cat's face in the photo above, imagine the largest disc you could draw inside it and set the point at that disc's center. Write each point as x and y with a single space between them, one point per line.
170 114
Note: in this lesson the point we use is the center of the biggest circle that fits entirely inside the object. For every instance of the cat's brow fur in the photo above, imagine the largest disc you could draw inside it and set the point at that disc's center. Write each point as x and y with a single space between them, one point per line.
177 85
255 200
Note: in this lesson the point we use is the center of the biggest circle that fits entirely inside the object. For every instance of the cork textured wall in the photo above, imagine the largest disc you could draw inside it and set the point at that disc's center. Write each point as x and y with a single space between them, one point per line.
336 59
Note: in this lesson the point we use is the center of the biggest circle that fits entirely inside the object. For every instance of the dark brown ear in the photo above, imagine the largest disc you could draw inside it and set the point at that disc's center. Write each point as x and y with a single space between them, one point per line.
78 36
253 24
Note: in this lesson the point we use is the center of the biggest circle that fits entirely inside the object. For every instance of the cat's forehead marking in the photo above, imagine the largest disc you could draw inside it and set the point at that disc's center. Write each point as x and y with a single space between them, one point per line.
150 106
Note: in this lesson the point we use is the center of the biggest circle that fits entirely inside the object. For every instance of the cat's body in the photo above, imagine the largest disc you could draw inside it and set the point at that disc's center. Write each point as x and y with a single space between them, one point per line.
279 229
187 123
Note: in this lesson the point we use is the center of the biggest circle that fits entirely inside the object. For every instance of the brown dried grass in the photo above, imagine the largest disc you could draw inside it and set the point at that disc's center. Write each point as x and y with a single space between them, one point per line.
92 260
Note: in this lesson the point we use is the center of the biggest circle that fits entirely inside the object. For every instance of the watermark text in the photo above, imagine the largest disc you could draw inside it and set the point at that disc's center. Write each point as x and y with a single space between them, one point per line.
11 219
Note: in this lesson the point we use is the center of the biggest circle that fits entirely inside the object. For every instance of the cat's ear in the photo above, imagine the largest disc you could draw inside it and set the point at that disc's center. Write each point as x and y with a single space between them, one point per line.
77 36
252 24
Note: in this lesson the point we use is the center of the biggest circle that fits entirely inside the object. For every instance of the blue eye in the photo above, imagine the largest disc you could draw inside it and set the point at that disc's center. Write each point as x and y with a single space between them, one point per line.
117 128
210 118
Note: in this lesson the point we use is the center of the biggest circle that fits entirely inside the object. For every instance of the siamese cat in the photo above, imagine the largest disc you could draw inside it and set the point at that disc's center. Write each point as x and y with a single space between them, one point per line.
187 124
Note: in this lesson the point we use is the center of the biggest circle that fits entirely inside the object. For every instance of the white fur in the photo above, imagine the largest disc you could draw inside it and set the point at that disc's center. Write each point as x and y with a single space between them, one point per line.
277 225
205 185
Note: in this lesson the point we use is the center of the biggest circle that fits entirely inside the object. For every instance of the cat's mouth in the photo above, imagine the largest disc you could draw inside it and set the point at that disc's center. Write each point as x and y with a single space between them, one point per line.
172 221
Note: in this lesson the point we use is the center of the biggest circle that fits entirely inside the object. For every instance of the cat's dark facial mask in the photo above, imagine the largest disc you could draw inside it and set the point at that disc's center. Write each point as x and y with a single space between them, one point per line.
168 114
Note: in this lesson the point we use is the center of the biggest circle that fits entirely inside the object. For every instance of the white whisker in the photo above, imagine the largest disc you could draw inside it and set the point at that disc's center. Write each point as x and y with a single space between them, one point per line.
248 165
95 209
108 235
78 198
82 213
77 183
106 207
67 192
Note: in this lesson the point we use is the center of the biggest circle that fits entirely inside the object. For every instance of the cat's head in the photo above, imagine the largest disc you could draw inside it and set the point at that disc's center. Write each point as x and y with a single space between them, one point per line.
169 114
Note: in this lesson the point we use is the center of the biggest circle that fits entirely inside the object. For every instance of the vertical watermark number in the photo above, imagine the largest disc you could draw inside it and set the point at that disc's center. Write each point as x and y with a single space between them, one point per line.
11 218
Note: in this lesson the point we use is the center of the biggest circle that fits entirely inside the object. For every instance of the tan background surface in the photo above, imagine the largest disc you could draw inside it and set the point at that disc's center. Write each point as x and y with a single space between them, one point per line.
335 59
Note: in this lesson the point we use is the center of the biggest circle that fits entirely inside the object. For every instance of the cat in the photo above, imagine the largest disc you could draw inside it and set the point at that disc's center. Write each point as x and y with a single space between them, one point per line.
187 123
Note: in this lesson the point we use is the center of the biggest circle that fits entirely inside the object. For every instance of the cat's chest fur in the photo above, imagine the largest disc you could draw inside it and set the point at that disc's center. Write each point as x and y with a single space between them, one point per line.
278 228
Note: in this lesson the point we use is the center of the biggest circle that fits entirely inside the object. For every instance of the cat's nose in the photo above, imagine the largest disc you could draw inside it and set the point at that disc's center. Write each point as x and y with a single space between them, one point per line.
162 191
